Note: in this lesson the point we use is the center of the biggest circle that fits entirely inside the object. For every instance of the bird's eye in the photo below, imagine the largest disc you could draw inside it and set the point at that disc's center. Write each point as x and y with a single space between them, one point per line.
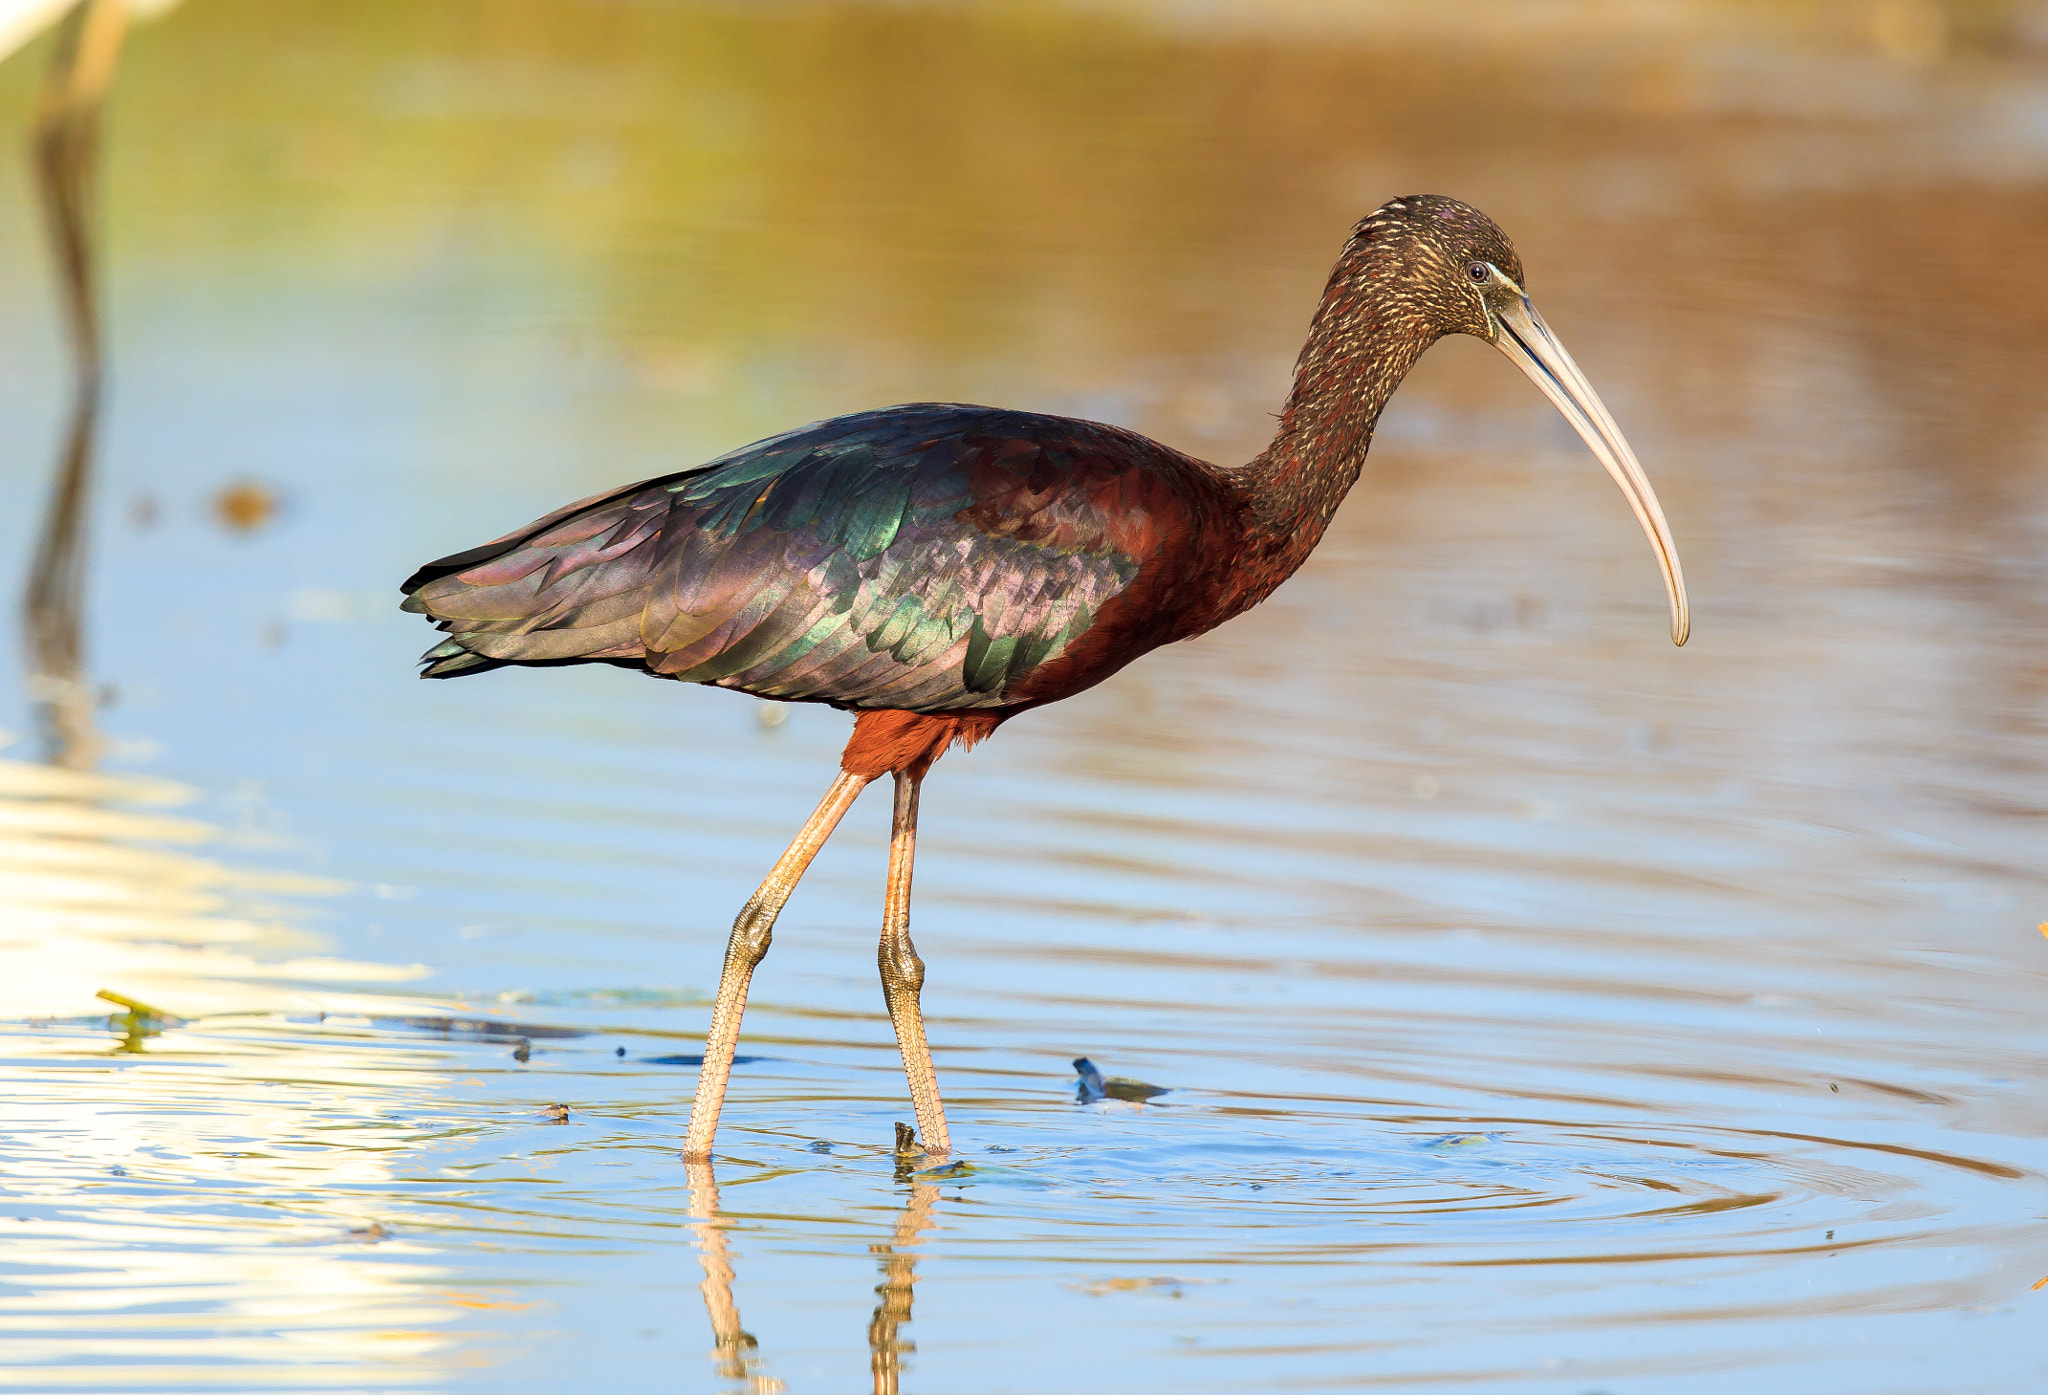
1479 271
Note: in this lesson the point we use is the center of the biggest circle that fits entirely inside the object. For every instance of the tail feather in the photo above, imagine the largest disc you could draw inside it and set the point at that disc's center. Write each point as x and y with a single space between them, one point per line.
562 590
449 658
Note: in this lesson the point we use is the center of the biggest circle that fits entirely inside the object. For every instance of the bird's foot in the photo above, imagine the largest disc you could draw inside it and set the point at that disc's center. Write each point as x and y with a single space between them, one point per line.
909 1153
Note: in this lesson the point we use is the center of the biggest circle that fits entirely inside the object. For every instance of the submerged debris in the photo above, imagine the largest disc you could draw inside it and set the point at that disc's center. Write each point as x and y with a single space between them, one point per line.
1160 1283
136 1006
479 1028
1095 1086
245 506
372 1233
1458 1140
138 1023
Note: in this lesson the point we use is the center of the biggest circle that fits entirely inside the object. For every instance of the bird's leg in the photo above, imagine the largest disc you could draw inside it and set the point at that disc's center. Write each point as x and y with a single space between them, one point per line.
903 972
750 936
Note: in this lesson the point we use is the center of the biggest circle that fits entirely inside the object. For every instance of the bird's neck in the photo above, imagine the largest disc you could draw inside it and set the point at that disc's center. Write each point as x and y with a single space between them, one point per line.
1359 349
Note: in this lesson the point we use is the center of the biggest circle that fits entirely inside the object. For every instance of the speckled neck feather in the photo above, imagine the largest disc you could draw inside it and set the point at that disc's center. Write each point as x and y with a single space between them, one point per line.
1385 304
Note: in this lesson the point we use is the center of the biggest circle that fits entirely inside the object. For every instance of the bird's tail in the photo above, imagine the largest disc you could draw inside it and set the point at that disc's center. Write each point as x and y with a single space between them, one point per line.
563 589
449 658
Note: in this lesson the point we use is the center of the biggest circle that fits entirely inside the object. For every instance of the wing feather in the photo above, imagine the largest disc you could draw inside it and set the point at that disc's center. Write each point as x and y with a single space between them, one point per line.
926 557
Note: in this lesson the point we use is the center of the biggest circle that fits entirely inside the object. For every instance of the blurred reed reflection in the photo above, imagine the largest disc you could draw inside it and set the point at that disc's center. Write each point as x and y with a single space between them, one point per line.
66 147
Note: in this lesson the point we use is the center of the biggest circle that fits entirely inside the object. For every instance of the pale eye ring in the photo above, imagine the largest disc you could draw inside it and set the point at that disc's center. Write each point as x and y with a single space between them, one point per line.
1479 271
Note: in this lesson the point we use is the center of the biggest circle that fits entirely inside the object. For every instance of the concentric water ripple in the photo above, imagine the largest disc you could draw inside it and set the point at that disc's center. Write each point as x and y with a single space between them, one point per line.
380 1168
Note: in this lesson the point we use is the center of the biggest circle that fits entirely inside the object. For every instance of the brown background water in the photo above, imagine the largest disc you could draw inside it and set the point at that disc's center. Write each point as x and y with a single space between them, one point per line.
1544 1008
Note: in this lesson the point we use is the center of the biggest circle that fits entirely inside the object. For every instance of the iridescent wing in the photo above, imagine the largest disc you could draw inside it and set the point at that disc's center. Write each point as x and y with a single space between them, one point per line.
928 558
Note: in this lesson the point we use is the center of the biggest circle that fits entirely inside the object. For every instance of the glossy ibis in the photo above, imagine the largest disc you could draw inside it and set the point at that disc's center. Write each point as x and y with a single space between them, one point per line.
938 568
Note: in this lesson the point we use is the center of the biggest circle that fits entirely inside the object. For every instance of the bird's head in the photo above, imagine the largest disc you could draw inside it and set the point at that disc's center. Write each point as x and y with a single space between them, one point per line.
1449 269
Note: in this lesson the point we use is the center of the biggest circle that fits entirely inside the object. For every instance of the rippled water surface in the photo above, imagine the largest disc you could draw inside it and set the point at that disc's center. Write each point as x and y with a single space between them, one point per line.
1540 1007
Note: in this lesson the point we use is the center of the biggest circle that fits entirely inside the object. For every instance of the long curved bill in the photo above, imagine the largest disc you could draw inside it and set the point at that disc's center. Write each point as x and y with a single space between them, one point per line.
1519 332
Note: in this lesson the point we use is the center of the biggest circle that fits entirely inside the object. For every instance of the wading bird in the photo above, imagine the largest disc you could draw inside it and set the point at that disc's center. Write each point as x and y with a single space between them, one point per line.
937 568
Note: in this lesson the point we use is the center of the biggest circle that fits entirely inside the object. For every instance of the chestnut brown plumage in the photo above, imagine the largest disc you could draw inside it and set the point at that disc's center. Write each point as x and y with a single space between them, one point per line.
939 568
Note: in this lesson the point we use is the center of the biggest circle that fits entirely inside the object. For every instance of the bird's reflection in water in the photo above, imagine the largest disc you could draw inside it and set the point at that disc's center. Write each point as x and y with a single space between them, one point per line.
735 1346
736 1353
899 1278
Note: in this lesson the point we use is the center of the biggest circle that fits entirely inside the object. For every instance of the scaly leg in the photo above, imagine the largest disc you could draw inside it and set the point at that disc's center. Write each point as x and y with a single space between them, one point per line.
903 972
750 936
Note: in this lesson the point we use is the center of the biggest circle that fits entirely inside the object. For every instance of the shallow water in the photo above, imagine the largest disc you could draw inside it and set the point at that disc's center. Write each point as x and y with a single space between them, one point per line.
1541 1008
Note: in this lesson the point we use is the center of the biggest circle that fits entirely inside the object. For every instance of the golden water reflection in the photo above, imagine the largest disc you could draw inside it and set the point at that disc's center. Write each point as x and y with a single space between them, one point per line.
181 1179
102 888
